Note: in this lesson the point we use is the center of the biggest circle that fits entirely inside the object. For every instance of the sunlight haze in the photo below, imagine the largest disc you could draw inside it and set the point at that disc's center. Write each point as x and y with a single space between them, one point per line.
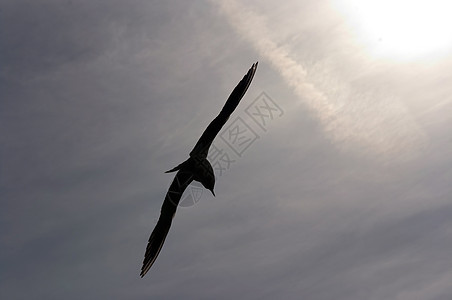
332 175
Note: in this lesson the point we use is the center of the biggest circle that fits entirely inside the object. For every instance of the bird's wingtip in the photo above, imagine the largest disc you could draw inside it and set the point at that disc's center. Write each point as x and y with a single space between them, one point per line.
143 272
254 66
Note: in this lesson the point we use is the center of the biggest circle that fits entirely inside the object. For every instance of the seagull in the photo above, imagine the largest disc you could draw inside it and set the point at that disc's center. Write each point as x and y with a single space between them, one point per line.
197 168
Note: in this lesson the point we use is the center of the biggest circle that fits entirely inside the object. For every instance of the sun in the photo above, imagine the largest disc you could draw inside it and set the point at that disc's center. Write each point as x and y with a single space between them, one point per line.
401 29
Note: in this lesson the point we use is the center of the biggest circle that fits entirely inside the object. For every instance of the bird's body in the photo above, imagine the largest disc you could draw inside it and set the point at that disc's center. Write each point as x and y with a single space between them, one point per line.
196 167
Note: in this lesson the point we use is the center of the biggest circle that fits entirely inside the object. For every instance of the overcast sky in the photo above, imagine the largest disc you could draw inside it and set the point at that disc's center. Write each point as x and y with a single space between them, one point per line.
342 191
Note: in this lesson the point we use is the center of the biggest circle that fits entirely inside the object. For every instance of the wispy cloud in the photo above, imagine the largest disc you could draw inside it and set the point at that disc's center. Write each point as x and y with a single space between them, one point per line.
379 124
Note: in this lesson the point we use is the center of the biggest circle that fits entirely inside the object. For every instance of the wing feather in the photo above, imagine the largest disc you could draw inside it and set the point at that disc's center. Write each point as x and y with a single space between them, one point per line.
158 235
206 139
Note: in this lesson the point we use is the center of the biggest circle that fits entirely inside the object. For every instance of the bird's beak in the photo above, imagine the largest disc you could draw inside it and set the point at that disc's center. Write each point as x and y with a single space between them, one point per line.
213 192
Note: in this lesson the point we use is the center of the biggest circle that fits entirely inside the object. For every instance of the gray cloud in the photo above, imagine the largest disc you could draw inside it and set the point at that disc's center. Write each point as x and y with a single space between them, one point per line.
98 98
379 123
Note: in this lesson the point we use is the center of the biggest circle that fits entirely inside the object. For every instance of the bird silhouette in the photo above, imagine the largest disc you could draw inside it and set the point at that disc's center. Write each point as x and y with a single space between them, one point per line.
197 168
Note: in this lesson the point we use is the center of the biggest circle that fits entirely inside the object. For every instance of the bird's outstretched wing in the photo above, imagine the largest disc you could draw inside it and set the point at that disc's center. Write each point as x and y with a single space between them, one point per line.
202 146
158 235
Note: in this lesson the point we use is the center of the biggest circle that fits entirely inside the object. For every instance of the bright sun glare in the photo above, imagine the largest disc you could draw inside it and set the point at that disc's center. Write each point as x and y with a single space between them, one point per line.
402 29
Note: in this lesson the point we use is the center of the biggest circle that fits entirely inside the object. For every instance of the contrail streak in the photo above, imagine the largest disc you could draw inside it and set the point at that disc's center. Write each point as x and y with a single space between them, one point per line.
380 125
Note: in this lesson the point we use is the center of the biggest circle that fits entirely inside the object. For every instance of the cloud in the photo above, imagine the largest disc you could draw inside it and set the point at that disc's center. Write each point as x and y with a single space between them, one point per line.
377 123
103 96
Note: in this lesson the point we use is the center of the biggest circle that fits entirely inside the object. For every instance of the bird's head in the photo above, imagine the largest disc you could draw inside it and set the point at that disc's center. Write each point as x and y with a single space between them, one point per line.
210 185
204 174
208 179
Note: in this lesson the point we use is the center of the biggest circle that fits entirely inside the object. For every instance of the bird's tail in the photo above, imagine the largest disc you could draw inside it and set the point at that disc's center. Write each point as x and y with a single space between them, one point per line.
178 167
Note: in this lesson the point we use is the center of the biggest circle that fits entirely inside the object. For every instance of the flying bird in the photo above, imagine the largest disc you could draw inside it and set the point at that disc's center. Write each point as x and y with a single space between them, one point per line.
197 168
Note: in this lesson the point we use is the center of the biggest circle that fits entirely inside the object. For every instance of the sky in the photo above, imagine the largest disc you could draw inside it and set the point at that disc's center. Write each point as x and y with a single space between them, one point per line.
338 186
